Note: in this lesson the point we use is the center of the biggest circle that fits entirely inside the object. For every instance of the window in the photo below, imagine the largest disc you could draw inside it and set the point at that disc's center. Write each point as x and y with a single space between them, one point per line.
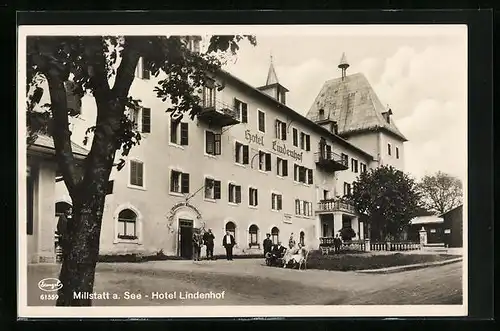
302 236
275 233
146 120
136 173
397 153
347 189
389 149
433 230
141 71
179 182
212 143
302 174
354 165
345 159
281 167
253 231
264 161
252 197
127 224
280 130
212 189
447 231
295 137
110 186
305 141
303 208
276 201
261 121
234 193
362 167
231 228
208 96
242 109
241 153
178 132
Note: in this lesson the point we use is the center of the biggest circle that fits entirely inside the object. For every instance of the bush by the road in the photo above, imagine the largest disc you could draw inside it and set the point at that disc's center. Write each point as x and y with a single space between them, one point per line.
365 261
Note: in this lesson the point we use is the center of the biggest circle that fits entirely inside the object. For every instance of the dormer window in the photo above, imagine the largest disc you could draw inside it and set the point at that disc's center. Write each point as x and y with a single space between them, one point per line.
321 113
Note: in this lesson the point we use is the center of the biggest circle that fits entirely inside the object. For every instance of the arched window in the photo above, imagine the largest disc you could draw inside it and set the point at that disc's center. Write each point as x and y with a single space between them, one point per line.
61 207
127 224
275 232
302 238
254 235
231 228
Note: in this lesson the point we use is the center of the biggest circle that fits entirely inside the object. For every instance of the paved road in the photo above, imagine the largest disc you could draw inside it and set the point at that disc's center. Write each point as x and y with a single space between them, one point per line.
249 282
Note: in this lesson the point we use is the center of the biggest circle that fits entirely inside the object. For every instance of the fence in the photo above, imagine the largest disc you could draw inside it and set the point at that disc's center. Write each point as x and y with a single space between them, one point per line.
395 246
326 245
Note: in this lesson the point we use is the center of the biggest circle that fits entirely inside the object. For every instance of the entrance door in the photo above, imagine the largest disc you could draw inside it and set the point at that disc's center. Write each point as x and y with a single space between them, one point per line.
186 238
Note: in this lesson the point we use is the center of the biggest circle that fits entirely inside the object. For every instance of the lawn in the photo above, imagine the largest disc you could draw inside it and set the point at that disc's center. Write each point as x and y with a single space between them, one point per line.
365 261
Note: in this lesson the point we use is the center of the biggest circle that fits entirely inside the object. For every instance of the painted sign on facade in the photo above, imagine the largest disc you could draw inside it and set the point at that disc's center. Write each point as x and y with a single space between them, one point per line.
282 149
254 138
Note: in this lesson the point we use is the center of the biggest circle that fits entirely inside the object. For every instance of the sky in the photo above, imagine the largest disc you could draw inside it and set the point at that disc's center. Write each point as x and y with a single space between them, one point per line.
421 75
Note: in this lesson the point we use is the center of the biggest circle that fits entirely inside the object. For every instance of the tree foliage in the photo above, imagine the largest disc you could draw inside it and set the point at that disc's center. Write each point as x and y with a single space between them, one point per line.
441 192
104 68
388 199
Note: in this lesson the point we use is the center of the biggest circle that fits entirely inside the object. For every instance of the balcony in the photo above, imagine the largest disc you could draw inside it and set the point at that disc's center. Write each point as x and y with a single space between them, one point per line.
333 205
218 113
331 161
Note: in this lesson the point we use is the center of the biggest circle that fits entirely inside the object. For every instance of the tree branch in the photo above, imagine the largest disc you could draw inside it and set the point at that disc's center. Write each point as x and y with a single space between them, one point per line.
126 71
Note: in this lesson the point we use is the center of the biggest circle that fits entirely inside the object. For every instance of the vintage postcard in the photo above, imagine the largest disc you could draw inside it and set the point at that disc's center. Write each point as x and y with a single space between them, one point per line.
248 171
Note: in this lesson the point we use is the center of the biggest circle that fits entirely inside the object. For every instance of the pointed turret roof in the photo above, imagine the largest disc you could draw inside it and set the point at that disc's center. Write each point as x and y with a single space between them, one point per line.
343 62
272 78
353 104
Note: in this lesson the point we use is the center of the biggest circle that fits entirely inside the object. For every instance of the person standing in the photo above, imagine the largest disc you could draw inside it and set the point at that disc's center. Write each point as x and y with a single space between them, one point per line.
337 242
228 242
62 229
291 241
267 244
197 242
208 238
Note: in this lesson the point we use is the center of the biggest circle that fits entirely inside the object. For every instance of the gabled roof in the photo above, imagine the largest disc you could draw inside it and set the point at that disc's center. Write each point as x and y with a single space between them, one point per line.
354 105
297 116
46 142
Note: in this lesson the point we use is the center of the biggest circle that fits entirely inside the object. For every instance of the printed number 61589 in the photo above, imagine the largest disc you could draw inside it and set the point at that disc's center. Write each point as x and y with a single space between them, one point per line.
49 296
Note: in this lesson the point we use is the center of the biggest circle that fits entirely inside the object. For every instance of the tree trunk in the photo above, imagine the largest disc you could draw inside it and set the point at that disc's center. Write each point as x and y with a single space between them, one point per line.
80 254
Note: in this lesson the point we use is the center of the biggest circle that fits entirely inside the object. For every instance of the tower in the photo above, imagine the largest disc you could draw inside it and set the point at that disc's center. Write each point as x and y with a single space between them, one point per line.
343 65
273 86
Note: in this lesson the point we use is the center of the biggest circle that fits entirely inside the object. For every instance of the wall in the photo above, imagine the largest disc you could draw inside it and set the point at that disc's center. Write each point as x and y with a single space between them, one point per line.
387 159
453 220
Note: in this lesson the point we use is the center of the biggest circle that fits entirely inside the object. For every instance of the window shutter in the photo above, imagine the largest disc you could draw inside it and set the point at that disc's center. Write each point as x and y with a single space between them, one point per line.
109 188
297 206
273 201
217 146
302 174
238 193
285 167
184 133
140 169
279 202
146 120
283 131
309 176
145 70
308 142
237 147
276 129
172 176
245 154
133 173
279 164
173 131
185 183
217 189
262 124
256 197
295 137
244 113
268 162
295 172
209 141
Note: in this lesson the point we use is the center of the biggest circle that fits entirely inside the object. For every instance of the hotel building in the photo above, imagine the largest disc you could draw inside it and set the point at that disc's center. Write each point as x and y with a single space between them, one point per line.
248 164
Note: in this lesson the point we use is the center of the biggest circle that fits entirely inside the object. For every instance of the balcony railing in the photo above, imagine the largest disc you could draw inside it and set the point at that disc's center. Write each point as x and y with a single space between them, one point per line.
332 205
219 113
331 161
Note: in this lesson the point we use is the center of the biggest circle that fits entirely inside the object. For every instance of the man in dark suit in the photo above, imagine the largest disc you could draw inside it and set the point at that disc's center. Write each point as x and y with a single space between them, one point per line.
267 244
62 229
228 242
208 239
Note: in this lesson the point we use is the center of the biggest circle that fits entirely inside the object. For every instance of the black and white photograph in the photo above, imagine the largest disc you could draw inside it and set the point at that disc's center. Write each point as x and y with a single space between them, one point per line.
214 171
